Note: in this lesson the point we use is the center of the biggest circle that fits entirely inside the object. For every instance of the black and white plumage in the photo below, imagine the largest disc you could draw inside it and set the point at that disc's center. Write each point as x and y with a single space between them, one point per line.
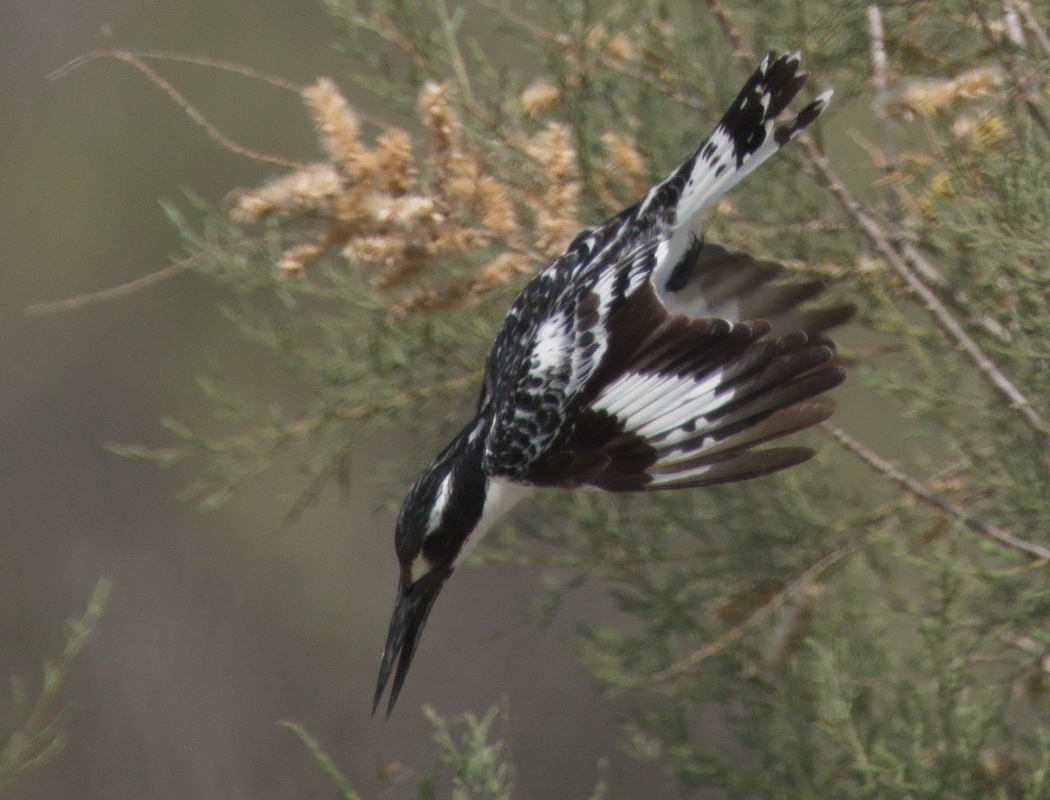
643 358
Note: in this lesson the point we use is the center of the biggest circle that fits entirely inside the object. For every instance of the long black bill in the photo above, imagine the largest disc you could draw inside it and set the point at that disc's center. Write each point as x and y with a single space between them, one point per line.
406 626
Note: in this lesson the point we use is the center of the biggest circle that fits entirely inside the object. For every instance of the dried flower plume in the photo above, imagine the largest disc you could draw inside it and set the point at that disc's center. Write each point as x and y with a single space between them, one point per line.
556 205
401 225
539 97
924 98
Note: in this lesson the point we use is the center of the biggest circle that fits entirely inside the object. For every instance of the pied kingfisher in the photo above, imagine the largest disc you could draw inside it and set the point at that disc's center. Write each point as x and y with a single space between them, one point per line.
643 358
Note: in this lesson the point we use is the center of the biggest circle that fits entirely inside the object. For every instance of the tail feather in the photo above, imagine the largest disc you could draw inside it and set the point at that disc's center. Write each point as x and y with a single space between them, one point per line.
736 286
747 135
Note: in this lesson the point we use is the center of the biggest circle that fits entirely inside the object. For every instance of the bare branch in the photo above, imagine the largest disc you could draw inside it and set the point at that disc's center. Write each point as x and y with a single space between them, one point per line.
736 39
888 470
134 60
1024 9
690 662
881 81
1012 24
898 260
124 289
1028 96
164 55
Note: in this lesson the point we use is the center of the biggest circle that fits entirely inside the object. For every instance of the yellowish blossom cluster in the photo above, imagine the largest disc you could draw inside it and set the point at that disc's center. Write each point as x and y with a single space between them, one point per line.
924 98
623 164
501 270
981 131
616 47
459 176
555 205
539 97
305 191
619 47
369 203
375 210
581 57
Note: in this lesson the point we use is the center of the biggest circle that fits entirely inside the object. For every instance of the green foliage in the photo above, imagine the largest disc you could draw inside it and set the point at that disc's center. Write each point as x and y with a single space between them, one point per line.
472 765
342 783
37 728
853 640
479 770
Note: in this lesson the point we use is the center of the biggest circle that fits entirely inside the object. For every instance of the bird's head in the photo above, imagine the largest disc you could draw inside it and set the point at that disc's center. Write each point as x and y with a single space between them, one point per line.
442 511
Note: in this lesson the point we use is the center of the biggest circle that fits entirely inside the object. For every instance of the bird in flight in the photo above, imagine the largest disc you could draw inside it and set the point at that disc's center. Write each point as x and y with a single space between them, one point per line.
643 358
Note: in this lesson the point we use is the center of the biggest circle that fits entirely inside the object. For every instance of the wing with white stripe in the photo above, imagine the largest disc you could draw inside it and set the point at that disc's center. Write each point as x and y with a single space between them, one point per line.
685 402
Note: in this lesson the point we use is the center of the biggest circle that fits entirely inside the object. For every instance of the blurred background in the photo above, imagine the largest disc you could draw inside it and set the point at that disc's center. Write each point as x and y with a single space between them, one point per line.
219 624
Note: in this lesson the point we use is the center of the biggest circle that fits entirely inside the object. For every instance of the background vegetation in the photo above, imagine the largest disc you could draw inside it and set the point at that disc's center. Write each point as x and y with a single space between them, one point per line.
857 627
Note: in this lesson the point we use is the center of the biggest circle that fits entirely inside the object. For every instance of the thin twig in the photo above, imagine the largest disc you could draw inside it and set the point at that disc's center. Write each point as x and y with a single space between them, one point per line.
519 21
690 662
644 77
894 178
736 39
341 782
888 470
1029 645
134 60
1024 8
192 112
1029 98
38 736
410 396
878 236
82 630
246 71
769 227
164 55
124 289
310 425
459 67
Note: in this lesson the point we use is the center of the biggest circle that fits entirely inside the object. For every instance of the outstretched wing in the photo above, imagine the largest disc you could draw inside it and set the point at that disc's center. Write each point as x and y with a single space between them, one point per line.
684 402
566 368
